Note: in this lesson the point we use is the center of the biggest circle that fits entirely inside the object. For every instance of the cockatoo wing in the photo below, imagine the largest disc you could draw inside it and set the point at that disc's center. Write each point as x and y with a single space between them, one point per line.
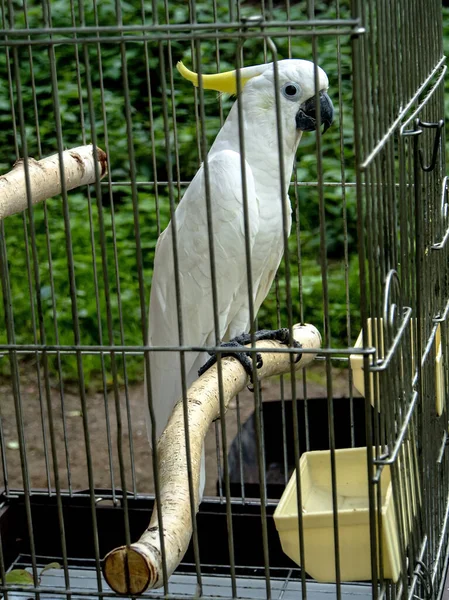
195 277
272 258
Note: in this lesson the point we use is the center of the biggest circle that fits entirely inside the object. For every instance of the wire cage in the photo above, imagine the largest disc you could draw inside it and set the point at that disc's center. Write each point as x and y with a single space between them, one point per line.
364 426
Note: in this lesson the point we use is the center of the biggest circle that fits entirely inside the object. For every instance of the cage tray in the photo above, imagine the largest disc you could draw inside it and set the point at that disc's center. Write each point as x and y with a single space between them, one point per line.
84 580
285 576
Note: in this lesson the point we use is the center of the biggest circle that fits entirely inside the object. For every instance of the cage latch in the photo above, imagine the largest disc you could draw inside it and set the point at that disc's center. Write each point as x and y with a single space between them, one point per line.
436 144
422 572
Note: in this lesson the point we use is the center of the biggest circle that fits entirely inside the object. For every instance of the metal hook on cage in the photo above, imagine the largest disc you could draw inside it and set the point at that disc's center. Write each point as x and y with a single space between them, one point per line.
247 22
392 312
422 572
114 501
436 144
390 308
252 21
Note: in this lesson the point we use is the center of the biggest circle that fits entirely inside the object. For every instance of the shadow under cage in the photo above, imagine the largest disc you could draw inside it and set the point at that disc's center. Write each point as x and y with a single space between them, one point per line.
311 462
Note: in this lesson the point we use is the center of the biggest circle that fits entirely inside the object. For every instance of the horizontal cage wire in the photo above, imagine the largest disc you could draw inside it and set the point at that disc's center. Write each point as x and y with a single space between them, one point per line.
144 221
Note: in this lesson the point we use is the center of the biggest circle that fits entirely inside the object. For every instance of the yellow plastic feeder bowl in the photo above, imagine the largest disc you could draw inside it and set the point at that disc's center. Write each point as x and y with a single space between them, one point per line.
356 361
439 373
353 518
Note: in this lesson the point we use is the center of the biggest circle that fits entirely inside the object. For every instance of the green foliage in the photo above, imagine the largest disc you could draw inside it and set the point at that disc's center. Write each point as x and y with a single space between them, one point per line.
91 107
24 577
19 577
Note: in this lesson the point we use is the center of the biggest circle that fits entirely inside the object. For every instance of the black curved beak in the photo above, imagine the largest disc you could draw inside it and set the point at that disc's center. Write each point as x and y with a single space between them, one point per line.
306 116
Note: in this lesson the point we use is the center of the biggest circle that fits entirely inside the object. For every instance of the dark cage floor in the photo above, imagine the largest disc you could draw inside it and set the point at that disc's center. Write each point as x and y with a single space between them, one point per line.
284 575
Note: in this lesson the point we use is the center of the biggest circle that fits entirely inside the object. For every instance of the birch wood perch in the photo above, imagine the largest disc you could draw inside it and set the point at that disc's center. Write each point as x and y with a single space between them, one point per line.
45 177
133 569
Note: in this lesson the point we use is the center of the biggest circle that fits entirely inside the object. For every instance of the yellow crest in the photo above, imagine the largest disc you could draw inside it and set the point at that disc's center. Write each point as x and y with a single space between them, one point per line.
221 82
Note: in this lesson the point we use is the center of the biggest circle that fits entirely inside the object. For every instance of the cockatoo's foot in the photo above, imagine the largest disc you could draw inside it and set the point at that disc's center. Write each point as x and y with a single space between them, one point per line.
281 335
244 358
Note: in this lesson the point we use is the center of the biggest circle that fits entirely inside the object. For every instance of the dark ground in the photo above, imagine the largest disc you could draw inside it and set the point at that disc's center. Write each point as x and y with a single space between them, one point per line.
71 446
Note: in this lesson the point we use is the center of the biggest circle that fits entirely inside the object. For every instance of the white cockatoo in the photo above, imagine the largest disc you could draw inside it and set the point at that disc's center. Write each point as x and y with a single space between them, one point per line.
265 222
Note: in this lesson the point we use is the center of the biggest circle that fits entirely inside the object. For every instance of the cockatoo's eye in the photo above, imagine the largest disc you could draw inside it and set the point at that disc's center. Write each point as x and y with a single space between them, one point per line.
290 91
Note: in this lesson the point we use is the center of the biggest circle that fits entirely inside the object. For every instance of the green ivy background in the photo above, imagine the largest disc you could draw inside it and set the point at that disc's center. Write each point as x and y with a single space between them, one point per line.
109 124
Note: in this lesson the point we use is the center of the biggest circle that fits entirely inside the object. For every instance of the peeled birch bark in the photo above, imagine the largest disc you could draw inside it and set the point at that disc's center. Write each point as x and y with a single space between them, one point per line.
133 569
45 177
